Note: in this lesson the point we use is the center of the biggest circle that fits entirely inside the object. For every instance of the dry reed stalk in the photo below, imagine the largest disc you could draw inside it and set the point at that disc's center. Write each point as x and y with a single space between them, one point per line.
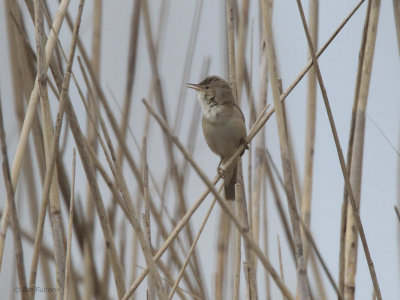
310 128
47 131
343 221
188 256
241 198
193 130
224 233
397 213
241 44
94 109
170 281
286 162
230 29
146 191
340 153
266 240
29 117
158 41
396 11
278 202
250 208
50 168
357 155
210 185
259 174
244 220
320 285
188 64
196 114
151 283
238 253
131 70
110 183
311 240
69 239
96 41
224 228
19 255
280 262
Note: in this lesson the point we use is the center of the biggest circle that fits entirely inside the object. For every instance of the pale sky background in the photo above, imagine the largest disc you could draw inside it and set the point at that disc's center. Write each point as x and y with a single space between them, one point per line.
338 66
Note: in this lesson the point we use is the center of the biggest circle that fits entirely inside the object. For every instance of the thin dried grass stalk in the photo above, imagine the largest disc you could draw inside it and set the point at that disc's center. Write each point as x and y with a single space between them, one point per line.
238 253
240 198
259 174
241 56
343 221
203 224
180 108
152 282
133 48
285 158
70 221
89 286
310 128
224 233
249 263
280 262
357 155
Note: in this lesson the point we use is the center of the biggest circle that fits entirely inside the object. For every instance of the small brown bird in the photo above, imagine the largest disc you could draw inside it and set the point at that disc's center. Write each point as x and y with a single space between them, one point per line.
223 124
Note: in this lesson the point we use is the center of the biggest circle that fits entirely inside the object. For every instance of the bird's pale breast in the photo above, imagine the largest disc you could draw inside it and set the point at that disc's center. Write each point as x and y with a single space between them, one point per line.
224 129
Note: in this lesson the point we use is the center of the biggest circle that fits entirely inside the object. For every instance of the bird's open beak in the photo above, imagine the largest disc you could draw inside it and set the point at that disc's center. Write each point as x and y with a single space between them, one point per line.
194 86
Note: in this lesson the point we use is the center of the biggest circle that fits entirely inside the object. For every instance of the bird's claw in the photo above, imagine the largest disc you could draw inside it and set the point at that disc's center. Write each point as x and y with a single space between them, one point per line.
221 172
246 146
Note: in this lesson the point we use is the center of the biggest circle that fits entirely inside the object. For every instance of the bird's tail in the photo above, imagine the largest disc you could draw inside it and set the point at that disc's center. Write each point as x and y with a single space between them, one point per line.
230 181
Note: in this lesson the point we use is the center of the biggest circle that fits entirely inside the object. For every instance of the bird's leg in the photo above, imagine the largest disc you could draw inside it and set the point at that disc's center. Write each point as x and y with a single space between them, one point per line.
220 171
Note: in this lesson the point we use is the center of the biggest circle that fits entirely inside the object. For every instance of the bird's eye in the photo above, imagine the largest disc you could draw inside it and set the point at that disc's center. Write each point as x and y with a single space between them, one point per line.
207 87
